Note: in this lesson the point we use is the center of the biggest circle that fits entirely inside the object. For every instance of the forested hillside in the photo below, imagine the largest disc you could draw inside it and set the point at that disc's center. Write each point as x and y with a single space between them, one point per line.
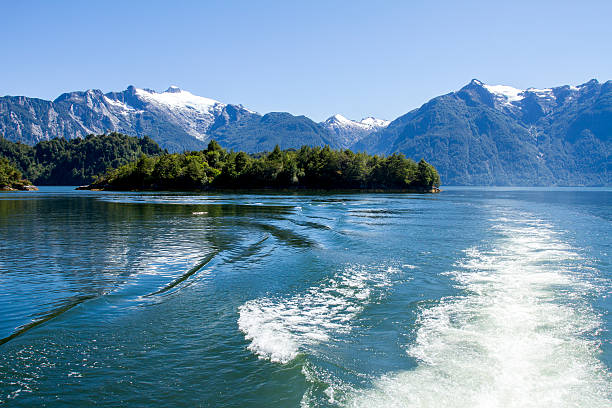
76 161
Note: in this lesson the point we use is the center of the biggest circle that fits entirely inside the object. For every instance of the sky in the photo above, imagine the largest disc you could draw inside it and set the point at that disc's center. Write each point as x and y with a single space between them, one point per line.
313 58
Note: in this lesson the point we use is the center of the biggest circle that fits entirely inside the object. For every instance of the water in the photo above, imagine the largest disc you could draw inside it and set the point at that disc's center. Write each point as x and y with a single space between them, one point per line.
469 298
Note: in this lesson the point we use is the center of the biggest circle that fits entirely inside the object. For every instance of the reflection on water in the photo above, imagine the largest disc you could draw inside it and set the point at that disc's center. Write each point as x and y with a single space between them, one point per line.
58 252
470 297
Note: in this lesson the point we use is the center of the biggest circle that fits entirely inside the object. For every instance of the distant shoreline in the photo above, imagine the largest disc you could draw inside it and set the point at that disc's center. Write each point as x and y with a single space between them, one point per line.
427 190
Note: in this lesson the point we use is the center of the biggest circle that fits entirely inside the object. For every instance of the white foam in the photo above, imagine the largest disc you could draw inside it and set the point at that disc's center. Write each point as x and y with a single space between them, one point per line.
280 328
522 334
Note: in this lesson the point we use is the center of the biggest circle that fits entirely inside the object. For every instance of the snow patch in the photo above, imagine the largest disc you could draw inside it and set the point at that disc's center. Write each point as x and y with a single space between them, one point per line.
373 122
542 93
508 93
195 114
117 104
174 97
368 123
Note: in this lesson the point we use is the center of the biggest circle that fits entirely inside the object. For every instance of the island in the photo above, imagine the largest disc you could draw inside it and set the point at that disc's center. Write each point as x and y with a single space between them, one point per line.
11 179
75 162
307 168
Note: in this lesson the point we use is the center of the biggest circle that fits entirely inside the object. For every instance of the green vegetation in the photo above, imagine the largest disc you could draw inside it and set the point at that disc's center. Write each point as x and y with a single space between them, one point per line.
117 161
10 177
308 167
77 161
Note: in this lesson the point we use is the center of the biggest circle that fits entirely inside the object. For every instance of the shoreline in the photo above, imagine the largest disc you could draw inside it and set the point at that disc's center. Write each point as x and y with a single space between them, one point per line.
28 187
424 190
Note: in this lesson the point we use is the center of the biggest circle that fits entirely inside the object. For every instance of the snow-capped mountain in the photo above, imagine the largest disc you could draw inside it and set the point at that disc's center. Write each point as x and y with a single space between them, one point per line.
508 96
196 115
527 104
349 132
496 134
177 119
480 134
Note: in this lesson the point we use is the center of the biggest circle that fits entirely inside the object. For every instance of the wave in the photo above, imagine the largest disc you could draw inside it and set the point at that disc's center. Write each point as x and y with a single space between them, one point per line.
69 304
185 276
521 335
280 328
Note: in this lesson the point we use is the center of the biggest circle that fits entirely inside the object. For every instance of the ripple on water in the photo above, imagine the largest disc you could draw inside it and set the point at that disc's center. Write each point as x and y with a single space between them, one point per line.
512 339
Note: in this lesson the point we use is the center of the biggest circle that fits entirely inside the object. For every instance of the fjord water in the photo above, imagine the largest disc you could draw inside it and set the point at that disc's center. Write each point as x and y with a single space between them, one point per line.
468 298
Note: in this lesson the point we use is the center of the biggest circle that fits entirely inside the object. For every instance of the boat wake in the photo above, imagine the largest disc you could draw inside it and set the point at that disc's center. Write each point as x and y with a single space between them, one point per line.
280 328
521 335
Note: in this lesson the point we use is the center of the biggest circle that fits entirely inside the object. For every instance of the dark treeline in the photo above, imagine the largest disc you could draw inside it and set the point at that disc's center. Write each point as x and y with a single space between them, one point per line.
76 161
308 167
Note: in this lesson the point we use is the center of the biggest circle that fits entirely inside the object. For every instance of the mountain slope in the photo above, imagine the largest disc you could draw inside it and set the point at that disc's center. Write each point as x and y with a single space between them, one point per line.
176 119
483 135
349 132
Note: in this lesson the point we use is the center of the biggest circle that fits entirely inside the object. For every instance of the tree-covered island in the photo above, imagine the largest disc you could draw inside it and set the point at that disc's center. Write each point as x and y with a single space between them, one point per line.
119 162
11 178
309 168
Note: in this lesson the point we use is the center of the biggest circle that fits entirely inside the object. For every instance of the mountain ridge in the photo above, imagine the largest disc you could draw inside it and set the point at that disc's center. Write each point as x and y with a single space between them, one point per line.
177 119
480 134
499 135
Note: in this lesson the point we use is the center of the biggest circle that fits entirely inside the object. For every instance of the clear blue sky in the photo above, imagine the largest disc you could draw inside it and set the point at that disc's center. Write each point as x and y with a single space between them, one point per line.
314 58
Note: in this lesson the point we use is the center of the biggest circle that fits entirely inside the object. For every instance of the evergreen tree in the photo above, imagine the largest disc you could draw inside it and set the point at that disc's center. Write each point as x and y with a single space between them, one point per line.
309 167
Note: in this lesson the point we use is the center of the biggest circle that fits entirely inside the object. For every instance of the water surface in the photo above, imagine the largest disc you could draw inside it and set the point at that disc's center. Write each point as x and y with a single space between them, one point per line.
472 297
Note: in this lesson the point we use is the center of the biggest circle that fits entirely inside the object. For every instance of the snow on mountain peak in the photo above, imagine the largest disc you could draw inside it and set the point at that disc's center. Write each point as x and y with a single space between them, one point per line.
195 114
508 93
350 131
542 93
339 118
175 97
366 123
373 122
509 98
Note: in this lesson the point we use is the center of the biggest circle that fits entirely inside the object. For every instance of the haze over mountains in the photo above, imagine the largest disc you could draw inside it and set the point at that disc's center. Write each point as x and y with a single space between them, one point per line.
479 135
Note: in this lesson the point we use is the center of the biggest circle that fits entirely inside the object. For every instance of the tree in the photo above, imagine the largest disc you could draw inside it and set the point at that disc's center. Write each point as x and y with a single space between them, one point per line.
10 176
427 175
309 167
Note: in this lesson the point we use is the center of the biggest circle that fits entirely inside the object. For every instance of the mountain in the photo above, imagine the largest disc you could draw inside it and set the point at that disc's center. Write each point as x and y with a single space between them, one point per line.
348 132
176 119
262 133
499 135
479 135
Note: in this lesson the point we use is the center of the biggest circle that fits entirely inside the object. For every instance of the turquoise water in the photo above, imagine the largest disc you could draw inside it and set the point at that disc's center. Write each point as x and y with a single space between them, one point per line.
468 298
